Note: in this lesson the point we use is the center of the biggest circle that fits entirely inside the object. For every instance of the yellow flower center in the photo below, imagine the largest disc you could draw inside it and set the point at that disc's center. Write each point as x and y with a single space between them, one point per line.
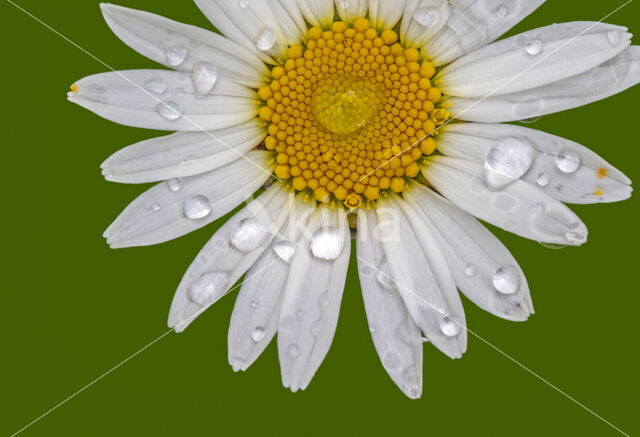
350 113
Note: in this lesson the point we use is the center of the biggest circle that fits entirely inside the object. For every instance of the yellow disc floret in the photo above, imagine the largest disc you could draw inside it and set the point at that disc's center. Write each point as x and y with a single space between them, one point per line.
350 113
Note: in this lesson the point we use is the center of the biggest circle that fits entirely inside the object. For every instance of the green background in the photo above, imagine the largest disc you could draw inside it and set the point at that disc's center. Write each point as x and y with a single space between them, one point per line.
73 308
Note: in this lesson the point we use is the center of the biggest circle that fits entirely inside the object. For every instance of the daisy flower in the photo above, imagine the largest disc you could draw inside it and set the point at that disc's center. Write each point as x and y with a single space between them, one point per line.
377 119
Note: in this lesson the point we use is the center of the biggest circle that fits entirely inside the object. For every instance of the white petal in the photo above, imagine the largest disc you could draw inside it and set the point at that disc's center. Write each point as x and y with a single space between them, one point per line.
594 181
317 12
164 100
422 20
422 278
476 258
350 10
183 47
163 212
256 313
519 208
395 335
290 19
220 263
182 154
384 14
610 78
532 59
475 23
311 303
249 23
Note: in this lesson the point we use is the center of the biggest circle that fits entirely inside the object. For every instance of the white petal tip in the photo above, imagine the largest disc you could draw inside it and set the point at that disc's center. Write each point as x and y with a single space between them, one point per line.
412 392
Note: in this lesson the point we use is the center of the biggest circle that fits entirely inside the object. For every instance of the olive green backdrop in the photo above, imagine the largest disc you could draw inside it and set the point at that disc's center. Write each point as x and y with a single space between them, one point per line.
72 308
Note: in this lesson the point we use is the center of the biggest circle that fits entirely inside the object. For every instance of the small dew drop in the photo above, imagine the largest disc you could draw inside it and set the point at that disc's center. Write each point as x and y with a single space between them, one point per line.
614 37
244 4
205 75
197 207
343 4
449 327
501 11
257 334
249 234
254 304
208 287
155 85
506 280
266 39
174 184
372 329
470 270
293 352
315 328
170 110
155 207
533 47
425 16
574 237
176 55
568 161
327 243
543 179
323 301
285 250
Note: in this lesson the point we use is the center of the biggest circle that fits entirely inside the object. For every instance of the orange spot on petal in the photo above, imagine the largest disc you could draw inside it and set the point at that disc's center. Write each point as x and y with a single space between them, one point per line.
597 193
602 172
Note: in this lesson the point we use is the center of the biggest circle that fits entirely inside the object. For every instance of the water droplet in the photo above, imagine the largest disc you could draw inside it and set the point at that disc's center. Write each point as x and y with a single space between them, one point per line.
327 243
257 334
285 250
533 47
344 4
170 110
266 39
176 55
568 161
449 327
205 75
254 304
174 184
155 85
315 328
552 245
425 16
543 179
293 352
197 207
506 280
614 37
507 161
208 287
470 270
244 4
155 207
574 237
249 234
501 11
372 329
383 275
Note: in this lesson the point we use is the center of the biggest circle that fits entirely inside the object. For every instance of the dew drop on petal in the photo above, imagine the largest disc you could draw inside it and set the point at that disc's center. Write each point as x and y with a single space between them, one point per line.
568 161
574 237
257 334
285 250
155 85
205 75
343 4
425 16
501 11
170 110
254 304
506 280
197 207
552 245
176 55
470 270
327 243
543 179
244 4
372 329
174 184
449 327
614 37
155 207
533 47
507 161
249 234
266 39
208 287
316 328
293 352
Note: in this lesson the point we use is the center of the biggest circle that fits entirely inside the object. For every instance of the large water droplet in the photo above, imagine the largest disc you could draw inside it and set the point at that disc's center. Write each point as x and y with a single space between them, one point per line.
257 334
176 55
249 234
174 184
327 243
425 16
170 110
568 161
285 250
155 85
543 179
506 280
293 352
533 47
449 327
266 39
205 75
501 11
507 161
208 287
197 207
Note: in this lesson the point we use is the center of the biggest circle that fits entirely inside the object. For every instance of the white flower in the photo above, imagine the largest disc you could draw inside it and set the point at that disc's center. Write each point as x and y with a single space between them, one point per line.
360 126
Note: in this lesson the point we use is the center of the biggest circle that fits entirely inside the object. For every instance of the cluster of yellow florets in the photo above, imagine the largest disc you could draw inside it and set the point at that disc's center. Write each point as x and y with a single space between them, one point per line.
350 113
